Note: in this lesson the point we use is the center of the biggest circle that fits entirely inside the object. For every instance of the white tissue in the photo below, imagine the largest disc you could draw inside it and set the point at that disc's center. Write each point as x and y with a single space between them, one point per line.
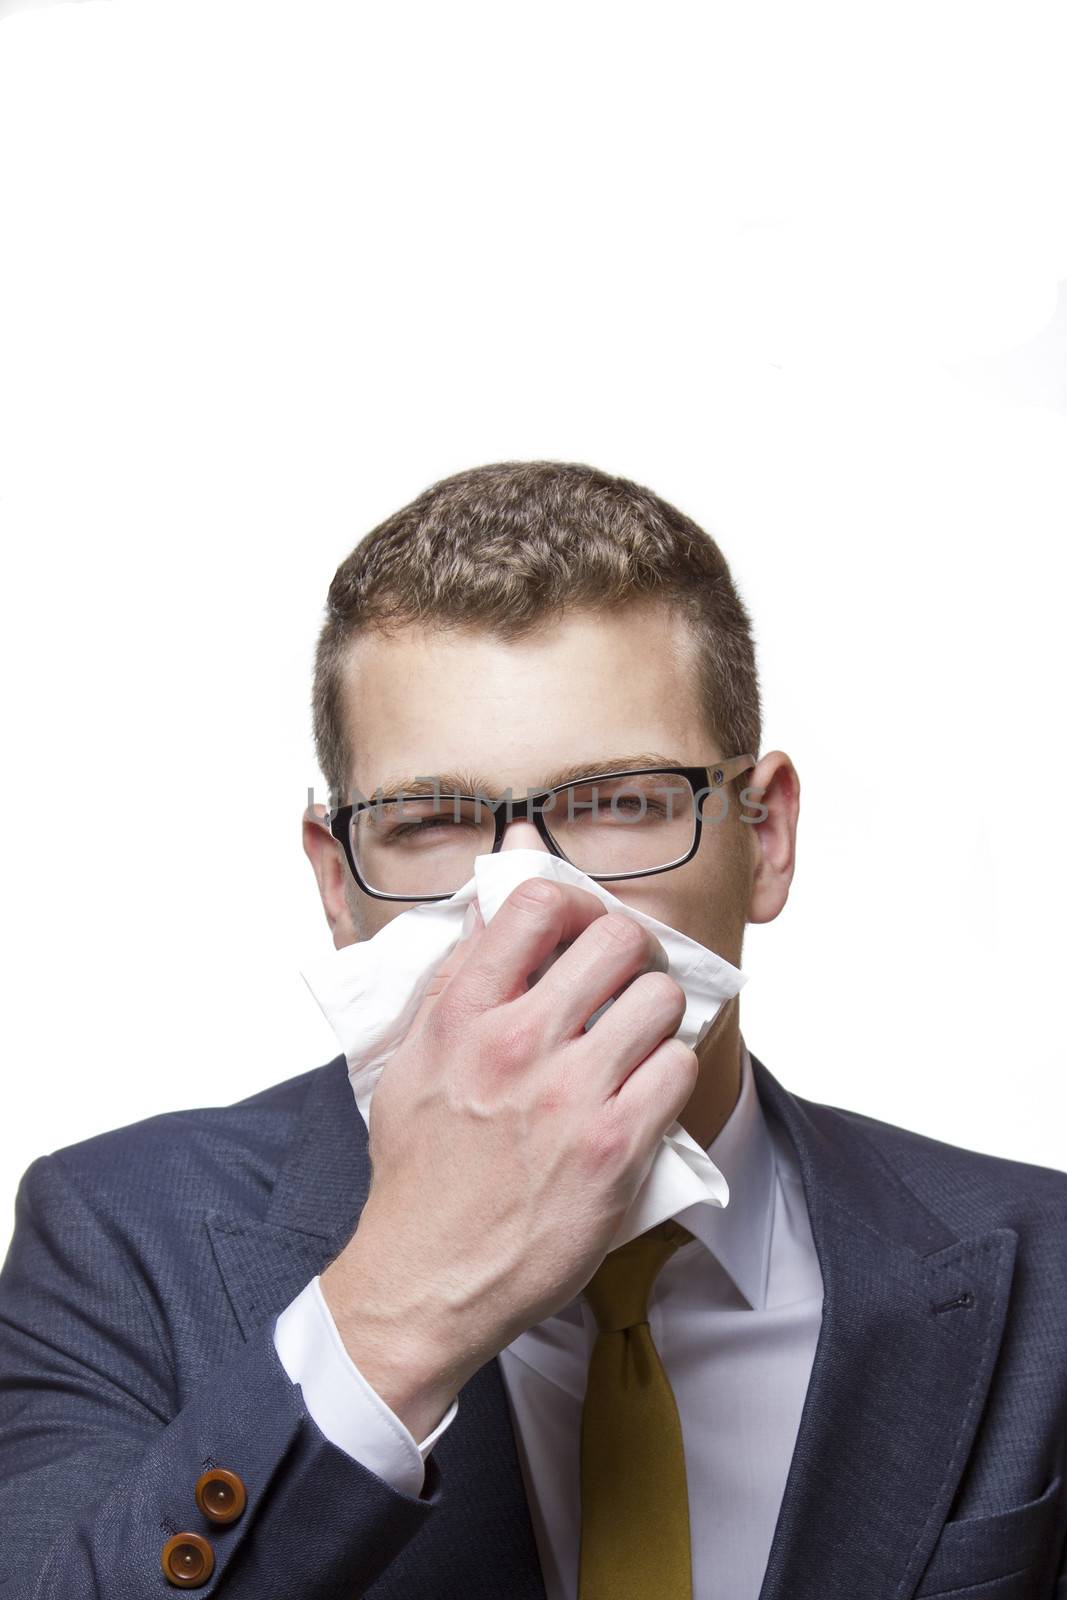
370 992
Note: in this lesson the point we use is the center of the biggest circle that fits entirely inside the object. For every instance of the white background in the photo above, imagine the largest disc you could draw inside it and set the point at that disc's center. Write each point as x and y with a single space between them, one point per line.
269 270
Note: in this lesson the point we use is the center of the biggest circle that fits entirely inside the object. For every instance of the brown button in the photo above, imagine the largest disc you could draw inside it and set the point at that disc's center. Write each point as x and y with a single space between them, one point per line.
221 1495
188 1561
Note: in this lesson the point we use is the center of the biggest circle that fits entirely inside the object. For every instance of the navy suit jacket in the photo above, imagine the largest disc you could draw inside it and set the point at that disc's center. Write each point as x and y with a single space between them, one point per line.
136 1311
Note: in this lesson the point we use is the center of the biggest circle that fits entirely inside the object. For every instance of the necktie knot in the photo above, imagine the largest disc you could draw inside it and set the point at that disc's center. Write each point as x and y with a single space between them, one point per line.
619 1290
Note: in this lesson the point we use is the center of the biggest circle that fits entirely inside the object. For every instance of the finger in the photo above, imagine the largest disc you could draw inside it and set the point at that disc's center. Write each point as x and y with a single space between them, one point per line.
649 1013
599 966
538 916
453 961
656 1092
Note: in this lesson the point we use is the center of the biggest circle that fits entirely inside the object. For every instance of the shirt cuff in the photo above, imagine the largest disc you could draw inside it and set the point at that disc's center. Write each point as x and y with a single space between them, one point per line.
343 1405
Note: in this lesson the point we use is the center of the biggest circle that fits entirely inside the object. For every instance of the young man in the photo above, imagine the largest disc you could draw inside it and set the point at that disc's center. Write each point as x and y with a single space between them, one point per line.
243 1352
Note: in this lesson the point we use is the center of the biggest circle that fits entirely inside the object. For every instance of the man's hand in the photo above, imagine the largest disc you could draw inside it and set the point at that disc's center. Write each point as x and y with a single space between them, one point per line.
506 1142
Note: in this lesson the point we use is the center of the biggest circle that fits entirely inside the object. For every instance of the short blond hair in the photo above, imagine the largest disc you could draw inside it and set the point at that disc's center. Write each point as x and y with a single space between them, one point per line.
507 546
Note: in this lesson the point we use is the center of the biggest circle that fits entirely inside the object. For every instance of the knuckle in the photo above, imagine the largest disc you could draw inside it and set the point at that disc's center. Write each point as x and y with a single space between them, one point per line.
447 1016
619 929
607 1143
663 990
687 1059
431 1030
537 894
514 1040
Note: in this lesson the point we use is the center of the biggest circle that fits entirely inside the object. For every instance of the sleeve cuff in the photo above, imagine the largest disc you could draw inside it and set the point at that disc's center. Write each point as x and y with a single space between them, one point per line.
343 1405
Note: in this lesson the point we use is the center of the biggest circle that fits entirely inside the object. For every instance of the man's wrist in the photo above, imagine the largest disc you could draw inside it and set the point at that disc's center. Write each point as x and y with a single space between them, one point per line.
412 1374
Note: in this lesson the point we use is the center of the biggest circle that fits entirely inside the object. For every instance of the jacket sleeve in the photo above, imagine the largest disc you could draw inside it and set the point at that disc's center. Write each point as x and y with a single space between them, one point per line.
98 1462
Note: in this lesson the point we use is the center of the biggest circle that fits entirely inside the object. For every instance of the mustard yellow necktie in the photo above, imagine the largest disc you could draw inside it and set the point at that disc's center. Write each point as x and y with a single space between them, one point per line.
635 1502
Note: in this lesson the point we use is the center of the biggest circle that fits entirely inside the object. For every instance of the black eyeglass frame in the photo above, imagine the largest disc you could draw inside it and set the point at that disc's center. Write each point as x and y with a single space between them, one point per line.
700 779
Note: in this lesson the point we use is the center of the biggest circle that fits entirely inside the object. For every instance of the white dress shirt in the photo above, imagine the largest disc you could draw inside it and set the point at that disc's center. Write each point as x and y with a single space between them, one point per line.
735 1316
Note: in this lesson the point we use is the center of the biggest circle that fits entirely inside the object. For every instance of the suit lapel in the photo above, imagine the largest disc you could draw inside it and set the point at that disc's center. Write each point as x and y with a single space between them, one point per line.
482 1536
900 1372
314 1206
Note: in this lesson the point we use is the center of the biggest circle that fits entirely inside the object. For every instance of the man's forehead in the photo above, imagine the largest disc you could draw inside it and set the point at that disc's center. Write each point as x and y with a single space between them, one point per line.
411 715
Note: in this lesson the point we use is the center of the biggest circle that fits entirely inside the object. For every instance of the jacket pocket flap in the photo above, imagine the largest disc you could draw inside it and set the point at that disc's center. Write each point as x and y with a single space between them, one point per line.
974 1550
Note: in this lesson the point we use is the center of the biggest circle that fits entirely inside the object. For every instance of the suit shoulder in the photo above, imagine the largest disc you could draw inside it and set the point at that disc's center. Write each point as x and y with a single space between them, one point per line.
993 1190
228 1155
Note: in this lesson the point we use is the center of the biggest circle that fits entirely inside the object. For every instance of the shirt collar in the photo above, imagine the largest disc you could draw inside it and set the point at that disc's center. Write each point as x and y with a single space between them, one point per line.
739 1233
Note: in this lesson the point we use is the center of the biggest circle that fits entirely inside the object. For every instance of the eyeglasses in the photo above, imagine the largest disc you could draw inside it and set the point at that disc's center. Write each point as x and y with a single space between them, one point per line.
610 825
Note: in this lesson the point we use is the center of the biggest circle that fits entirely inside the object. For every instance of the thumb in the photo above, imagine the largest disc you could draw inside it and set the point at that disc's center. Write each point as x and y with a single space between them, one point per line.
447 969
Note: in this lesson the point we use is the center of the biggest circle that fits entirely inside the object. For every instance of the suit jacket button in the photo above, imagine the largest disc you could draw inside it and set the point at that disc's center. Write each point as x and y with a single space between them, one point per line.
188 1561
221 1495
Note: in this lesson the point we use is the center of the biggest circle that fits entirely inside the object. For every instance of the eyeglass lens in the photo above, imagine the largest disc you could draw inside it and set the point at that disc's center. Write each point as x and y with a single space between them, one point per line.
427 845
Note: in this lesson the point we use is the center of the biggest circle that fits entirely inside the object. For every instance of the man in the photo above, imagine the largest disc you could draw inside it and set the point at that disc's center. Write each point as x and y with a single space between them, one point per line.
244 1352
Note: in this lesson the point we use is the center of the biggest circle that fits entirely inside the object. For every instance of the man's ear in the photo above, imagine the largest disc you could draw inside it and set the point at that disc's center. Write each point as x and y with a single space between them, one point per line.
775 784
331 874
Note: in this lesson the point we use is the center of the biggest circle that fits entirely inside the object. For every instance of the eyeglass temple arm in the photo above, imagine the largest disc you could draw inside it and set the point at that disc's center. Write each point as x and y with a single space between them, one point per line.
732 768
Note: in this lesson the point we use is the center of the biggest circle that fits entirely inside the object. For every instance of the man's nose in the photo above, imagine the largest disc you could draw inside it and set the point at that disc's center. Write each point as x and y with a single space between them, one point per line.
522 835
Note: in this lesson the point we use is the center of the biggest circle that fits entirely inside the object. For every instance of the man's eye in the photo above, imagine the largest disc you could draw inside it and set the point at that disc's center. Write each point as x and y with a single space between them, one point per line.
423 826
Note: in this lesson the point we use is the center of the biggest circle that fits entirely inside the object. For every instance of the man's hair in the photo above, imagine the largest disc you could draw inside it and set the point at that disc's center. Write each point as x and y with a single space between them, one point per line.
505 548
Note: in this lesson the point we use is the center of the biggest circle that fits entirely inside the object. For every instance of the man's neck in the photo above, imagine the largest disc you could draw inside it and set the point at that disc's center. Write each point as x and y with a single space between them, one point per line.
719 1083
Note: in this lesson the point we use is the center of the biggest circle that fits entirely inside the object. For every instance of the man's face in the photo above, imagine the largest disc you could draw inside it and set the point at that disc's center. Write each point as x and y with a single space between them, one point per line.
586 690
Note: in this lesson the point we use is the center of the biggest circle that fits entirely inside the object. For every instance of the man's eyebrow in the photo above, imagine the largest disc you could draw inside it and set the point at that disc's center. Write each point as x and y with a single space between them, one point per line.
465 782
